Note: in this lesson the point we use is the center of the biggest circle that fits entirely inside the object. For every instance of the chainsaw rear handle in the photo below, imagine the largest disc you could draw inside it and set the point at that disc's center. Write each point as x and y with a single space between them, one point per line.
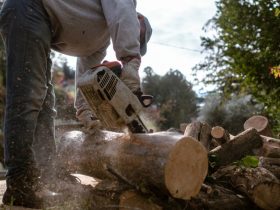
116 67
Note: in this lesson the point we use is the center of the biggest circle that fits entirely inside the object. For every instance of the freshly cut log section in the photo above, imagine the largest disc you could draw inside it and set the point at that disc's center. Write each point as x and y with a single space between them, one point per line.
166 170
165 161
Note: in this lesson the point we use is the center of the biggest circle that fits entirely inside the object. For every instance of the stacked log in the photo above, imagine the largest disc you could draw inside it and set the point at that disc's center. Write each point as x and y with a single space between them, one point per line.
246 143
259 184
167 170
260 123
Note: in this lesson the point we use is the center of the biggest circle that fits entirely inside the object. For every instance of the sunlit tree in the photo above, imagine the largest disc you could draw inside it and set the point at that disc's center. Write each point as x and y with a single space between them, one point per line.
243 49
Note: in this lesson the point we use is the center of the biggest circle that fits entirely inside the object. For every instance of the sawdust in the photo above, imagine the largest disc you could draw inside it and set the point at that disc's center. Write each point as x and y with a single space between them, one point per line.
87 180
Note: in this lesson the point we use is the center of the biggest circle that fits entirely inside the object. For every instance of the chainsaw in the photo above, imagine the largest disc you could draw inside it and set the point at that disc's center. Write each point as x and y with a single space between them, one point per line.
115 105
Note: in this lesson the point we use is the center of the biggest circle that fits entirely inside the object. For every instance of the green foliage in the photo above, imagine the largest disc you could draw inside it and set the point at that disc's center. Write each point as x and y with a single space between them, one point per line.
244 47
173 96
277 12
248 162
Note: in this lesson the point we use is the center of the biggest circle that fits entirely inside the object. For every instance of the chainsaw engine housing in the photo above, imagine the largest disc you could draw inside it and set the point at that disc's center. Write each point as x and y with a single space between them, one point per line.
111 100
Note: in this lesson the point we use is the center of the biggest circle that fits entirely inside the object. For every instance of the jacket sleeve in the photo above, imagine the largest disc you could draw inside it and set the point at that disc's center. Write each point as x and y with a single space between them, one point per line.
84 64
123 24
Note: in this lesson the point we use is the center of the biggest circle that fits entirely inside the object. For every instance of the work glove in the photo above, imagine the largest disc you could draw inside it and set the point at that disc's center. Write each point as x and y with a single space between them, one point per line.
130 75
89 120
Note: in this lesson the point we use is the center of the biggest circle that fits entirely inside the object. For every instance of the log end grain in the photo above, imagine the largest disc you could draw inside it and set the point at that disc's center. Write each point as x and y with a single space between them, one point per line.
217 132
220 134
266 196
186 168
260 123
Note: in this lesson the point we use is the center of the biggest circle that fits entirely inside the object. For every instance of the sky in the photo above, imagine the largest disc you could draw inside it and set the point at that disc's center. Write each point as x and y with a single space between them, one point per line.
175 42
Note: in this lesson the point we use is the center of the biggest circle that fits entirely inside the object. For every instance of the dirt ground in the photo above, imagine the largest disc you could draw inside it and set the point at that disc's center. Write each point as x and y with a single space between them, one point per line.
84 179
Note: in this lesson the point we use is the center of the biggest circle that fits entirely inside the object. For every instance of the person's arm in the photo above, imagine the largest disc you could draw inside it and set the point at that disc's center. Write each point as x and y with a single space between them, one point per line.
84 64
124 27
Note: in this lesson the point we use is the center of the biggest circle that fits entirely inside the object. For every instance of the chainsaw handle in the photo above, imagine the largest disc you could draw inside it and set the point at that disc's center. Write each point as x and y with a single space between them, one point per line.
146 100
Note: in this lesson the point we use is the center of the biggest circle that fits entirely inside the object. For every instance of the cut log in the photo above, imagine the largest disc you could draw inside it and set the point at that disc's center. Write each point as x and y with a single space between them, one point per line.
270 140
259 184
167 161
220 134
193 130
134 200
271 147
220 198
271 164
270 151
260 123
240 146
201 132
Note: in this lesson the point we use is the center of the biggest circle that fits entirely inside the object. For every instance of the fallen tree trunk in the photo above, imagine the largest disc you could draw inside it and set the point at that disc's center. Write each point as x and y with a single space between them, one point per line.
241 145
166 161
259 184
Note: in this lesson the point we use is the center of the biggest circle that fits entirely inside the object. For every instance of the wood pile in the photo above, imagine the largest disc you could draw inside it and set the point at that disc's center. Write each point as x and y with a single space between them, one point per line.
202 167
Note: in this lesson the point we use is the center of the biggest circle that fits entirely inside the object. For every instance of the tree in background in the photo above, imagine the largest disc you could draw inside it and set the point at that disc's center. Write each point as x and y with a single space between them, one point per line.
243 50
64 86
174 98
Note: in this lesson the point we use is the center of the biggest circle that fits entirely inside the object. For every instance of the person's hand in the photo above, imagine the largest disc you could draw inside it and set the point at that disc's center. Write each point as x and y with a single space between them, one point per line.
90 122
130 75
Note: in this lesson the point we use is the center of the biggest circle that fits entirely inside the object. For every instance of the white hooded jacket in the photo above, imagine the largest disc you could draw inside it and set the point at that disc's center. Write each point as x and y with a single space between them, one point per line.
84 27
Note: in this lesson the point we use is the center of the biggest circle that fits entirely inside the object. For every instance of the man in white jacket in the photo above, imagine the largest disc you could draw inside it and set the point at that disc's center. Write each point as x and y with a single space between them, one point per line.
30 29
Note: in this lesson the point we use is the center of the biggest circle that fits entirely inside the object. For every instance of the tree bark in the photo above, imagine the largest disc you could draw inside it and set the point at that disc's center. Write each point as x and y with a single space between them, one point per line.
166 161
241 145
270 140
271 164
271 147
259 184
201 132
270 151
215 197
260 123
213 144
133 200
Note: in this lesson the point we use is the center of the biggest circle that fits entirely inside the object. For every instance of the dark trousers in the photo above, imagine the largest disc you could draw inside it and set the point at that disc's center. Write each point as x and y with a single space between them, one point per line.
29 113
